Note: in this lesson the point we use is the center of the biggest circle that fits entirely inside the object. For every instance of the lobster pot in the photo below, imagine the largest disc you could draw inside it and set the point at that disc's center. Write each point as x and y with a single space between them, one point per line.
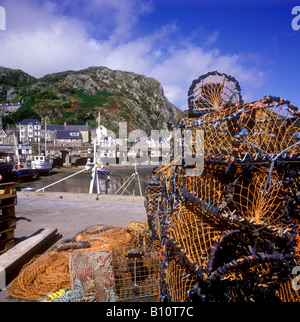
176 278
93 272
228 228
155 205
8 200
135 274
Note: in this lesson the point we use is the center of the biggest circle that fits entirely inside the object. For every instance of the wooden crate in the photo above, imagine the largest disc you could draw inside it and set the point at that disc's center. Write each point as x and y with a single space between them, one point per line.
6 235
6 240
5 246
8 223
8 200
7 212
8 195
8 188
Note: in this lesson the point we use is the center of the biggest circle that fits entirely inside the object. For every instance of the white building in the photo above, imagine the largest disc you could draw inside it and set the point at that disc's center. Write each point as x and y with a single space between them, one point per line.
99 132
29 130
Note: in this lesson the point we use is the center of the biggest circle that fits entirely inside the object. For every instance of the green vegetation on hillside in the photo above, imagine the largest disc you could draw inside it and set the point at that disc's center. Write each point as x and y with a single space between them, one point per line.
78 108
15 78
90 101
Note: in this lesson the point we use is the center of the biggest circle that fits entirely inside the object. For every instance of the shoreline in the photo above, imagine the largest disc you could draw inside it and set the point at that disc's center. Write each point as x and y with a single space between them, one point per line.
106 167
79 196
80 183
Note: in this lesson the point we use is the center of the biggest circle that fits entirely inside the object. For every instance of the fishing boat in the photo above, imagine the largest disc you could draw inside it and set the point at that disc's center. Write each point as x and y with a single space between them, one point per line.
41 164
23 172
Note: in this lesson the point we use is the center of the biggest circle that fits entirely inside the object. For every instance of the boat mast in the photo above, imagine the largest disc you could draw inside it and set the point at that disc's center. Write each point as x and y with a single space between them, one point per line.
39 146
95 164
16 149
45 136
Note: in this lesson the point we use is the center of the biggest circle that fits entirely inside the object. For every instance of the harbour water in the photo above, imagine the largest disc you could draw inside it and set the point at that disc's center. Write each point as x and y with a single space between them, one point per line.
120 177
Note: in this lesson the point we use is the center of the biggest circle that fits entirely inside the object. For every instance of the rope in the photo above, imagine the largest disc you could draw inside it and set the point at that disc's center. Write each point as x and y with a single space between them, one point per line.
268 184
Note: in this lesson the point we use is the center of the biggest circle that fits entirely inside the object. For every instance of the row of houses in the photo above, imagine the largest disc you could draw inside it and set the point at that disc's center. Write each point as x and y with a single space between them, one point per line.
31 131
9 108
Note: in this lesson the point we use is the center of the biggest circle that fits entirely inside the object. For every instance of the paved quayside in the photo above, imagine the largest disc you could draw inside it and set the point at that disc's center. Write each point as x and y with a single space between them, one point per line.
70 213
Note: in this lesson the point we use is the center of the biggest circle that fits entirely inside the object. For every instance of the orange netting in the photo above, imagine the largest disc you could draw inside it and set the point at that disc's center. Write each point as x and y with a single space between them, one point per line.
50 272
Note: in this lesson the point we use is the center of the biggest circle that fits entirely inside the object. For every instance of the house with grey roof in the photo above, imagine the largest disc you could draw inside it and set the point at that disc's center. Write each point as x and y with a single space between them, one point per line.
68 139
52 130
7 137
83 129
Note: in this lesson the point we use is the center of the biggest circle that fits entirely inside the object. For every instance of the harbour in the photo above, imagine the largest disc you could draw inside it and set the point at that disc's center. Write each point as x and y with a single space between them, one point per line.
52 207
112 183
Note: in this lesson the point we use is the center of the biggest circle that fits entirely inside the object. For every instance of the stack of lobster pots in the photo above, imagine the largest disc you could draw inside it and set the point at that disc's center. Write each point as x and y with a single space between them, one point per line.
224 212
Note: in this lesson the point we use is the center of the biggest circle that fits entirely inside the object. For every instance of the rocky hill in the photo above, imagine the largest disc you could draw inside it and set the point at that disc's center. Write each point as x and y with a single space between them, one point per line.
14 77
76 97
12 80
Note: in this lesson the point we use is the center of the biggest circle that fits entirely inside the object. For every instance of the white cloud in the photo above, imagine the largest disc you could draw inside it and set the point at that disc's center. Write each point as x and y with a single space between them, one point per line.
53 37
178 71
211 39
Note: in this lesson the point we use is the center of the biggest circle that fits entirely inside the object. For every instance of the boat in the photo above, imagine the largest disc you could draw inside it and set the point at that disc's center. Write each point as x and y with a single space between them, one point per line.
23 172
41 165
103 172
27 189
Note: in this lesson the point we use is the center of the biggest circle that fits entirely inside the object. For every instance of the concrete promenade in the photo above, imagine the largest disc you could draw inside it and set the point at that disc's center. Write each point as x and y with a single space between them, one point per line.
71 213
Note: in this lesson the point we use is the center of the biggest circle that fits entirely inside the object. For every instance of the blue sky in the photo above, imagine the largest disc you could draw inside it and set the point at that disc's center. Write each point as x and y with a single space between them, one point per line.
173 41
